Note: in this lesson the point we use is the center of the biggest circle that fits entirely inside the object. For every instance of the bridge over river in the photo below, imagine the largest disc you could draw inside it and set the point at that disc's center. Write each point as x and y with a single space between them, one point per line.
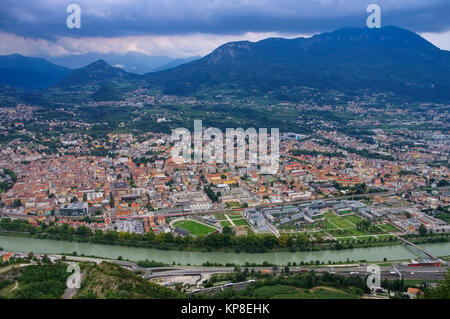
406 242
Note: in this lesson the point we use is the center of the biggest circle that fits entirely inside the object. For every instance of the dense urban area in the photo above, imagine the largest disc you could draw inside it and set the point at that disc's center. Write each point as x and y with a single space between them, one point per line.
385 183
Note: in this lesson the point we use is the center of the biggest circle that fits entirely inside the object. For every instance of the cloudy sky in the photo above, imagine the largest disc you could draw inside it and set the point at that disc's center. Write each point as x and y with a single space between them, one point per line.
181 28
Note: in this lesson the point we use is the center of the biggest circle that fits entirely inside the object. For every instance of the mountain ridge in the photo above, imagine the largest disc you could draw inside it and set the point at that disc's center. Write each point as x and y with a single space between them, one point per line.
347 60
98 71
133 62
29 73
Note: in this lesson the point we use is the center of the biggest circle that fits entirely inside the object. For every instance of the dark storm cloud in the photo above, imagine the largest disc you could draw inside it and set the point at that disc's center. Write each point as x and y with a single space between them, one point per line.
107 18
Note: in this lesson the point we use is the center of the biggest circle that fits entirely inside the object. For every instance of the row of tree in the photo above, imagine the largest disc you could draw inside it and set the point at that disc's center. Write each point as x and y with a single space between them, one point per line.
250 243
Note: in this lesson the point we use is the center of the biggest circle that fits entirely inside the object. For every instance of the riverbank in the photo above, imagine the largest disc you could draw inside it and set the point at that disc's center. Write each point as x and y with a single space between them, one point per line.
371 254
194 248
222 242
168 246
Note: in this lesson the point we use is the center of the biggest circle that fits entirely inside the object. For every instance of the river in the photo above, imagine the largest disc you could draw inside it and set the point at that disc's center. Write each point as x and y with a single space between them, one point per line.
46 246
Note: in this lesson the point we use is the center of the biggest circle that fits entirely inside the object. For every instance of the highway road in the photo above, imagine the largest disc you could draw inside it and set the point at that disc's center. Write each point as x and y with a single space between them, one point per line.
389 272
395 271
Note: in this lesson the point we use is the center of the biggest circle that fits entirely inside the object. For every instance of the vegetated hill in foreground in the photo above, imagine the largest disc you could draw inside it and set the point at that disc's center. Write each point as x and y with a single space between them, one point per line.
29 73
42 281
112 281
348 60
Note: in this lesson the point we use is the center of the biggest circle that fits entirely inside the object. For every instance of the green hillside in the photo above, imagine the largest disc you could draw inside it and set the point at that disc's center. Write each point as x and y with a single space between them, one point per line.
112 281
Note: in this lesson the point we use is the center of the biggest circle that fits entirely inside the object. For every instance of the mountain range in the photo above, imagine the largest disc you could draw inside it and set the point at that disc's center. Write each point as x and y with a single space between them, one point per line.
133 62
349 61
29 73
95 73
37 73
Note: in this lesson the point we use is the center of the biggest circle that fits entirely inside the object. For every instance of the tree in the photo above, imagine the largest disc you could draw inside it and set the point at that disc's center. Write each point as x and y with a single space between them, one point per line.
443 183
363 225
111 200
422 230
46 260
442 290
17 203
227 230
284 240
83 231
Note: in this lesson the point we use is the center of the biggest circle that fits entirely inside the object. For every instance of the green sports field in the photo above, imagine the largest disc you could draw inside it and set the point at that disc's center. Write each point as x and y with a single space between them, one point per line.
354 219
225 223
234 215
344 227
240 222
388 228
195 228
